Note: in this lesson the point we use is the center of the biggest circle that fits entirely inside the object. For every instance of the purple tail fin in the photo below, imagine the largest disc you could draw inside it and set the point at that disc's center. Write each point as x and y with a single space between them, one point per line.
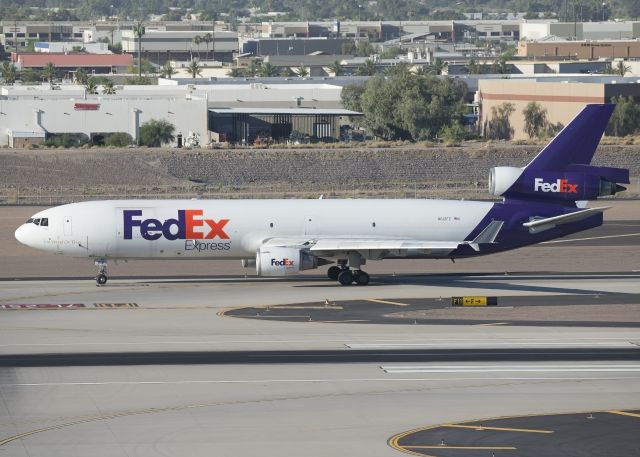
577 142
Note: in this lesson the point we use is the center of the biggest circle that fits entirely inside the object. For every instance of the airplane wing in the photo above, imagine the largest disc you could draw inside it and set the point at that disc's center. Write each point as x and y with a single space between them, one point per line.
333 246
540 225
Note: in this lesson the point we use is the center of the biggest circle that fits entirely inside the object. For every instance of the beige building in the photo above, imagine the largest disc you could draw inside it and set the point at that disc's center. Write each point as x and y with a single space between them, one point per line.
580 49
562 100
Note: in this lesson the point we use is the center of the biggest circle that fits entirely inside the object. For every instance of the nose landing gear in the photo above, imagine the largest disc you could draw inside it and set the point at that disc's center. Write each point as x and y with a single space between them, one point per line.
101 277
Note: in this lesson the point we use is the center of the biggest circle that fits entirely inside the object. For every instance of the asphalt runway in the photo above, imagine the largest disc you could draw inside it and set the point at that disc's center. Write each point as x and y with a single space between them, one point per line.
153 364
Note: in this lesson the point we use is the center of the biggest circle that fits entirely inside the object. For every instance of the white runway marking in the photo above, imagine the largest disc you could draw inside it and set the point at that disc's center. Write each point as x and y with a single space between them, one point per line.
407 369
327 380
489 345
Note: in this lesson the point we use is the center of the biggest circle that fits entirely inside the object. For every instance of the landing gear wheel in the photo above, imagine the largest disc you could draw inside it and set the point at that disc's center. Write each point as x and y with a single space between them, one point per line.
345 278
333 272
361 278
101 279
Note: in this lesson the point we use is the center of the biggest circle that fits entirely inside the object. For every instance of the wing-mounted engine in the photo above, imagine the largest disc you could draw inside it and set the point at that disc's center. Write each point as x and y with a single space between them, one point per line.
576 182
285 261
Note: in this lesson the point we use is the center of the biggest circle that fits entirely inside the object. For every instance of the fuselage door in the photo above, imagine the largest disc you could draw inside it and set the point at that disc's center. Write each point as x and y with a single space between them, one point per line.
67 226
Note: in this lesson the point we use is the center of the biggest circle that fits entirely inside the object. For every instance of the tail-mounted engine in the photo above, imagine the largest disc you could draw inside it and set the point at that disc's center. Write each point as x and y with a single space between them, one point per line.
577 182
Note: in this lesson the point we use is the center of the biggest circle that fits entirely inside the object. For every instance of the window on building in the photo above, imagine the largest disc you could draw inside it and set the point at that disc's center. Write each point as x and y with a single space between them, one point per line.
495 33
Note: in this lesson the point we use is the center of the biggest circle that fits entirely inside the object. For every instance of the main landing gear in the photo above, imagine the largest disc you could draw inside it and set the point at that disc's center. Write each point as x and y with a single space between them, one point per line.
348 271
101 277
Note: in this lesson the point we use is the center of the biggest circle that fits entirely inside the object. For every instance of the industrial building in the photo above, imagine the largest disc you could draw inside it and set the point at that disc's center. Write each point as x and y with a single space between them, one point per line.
562 99
93 63
240 112
160 46
609 30
551 47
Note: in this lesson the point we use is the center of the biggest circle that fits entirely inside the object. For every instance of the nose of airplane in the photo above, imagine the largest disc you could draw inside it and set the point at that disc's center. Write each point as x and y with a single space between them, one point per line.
21 235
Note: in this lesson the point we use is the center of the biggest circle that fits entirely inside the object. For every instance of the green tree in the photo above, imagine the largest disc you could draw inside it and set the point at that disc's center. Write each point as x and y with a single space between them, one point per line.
535 120
9 72
167 70
351 97
625 119
118 139
287 72
437 66
336 68
139 31
236 72
621 69
474 68
49 72
197 40
252 70
81 76
267 70
408 106
453 134
302 71
194 68
156 132
108 88
499 126
91 87
368 68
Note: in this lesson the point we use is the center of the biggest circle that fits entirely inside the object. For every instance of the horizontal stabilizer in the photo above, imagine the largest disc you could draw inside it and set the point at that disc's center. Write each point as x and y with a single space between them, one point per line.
540 225
488 235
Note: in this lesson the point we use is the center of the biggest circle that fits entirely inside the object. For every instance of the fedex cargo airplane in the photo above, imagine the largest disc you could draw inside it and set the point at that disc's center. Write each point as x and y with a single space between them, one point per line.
540 201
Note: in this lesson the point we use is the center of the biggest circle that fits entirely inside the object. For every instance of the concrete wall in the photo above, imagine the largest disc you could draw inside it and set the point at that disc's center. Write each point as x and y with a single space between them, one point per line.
115 114
561 100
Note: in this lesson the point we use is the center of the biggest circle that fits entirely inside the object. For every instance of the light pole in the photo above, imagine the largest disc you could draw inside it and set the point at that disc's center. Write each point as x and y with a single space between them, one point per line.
603 5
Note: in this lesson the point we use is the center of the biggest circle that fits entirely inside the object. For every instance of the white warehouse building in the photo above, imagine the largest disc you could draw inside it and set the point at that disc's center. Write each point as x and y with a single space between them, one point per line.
39 112
99 115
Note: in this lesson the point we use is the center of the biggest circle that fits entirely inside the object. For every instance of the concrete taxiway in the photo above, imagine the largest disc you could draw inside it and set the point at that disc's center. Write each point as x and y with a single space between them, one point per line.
67 387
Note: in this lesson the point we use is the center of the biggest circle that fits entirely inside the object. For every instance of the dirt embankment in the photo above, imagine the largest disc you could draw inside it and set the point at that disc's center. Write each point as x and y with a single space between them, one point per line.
58 176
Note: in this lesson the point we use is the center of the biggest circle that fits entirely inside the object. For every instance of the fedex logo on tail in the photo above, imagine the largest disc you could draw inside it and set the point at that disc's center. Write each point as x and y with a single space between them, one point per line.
189 225
561 185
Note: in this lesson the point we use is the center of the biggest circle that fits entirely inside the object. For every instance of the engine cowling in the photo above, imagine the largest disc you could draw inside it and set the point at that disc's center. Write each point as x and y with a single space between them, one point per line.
585 183
283 261
502 178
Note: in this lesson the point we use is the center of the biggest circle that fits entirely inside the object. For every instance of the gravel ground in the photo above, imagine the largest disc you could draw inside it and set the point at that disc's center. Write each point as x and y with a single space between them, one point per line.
60 176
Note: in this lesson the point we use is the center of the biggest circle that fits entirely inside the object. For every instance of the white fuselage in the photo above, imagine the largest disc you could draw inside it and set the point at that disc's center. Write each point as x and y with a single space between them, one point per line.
235 229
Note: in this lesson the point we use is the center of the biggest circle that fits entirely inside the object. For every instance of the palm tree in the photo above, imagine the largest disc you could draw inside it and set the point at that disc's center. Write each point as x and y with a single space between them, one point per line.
207 38
49 72
252 69
622 69
287 72
368 68
194 68
91 87
336 68
438 66
235 72
138 31
167 70
473 68
197 40
9 72
267 70
81 76
108 88
302 71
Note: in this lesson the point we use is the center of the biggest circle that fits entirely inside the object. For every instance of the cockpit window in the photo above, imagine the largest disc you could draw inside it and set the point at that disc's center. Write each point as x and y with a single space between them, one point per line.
44 222
29 221
36 221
